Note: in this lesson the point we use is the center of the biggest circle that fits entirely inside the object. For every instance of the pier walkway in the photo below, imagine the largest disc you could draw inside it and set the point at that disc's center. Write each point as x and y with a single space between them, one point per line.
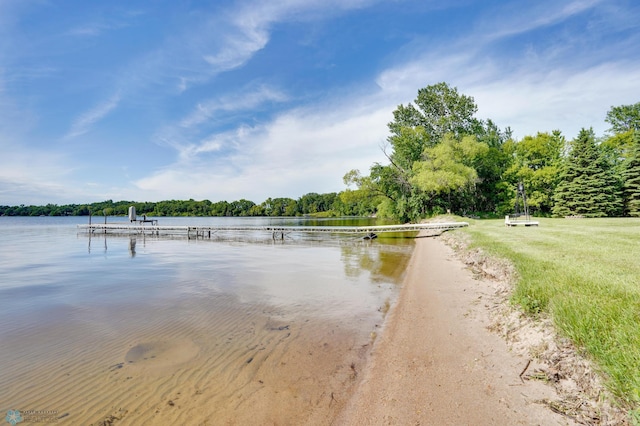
280 231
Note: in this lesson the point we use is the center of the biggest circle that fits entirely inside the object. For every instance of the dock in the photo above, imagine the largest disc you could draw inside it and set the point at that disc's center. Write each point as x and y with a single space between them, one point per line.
368 232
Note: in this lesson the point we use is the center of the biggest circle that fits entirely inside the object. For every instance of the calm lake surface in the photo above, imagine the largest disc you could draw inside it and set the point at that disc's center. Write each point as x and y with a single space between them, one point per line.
88 321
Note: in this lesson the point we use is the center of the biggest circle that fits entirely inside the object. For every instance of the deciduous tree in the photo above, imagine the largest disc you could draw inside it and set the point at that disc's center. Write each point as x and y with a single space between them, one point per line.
624 118
439 109
537 162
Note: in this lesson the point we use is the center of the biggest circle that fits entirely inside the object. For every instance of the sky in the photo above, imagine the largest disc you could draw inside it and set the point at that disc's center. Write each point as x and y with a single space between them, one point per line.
242 99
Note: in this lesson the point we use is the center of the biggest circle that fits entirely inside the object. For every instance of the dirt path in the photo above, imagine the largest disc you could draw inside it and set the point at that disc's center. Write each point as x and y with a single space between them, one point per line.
437 364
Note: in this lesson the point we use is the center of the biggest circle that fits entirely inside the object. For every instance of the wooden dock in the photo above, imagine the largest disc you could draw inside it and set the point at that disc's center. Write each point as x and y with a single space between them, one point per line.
276 231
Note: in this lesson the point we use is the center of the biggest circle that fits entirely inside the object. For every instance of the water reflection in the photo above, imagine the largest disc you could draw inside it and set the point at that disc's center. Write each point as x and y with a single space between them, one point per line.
90 240
385 263
297 271
133 239
132 246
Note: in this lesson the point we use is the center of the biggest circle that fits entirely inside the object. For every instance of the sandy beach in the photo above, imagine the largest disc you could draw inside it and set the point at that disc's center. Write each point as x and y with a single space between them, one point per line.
436 363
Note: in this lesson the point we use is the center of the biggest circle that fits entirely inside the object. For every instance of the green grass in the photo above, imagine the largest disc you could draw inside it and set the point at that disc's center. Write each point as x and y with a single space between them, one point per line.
586 274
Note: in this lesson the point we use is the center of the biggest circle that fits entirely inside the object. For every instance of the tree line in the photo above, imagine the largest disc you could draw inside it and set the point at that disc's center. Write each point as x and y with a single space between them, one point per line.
331 204
442 158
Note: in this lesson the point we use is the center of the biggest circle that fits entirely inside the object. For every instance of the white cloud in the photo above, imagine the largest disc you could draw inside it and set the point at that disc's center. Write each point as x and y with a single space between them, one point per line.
526 98
228 40
237 49
89 29
519 18
243 100
32 176
300 151
119 20
552 87
190 137
563 99
210 144
83 123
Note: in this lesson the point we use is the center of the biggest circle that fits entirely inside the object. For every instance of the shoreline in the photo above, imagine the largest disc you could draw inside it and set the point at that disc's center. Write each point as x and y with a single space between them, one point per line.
437 362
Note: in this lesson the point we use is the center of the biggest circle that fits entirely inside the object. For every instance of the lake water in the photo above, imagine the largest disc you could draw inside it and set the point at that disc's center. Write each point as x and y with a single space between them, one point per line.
147 329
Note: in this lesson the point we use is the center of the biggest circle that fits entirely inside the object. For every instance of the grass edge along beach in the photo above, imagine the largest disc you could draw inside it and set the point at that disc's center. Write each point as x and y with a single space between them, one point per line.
584 275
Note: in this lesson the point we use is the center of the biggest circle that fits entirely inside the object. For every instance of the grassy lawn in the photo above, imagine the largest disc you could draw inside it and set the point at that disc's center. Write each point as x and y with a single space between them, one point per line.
586 274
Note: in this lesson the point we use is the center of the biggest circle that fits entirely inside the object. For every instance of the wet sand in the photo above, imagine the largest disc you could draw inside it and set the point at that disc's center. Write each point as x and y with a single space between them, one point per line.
436 362
260 371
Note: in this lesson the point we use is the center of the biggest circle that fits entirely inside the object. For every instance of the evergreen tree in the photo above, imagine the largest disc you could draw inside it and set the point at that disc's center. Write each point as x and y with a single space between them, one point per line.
631 176
587 186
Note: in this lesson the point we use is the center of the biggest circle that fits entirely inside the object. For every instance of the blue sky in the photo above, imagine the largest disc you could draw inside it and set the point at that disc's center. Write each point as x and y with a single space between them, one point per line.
222 100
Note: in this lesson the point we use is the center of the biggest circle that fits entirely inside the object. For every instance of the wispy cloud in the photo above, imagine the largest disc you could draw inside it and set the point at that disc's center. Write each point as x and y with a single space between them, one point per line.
98 26
299 151
237 49
239 101
83 123
519 18
213 143
527 98
228 40
90 29
193 135
563 99
564 83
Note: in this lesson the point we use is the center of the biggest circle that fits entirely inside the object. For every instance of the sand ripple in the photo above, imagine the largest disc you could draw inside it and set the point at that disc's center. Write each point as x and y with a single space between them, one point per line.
218 366
160 355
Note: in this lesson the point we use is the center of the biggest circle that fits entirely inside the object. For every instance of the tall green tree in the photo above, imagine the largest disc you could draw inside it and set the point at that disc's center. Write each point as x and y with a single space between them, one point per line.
587 186
439 109
447 168
280 207
624 118
537 161
618 146
490 191
241 207
631 177
361 201
417 128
